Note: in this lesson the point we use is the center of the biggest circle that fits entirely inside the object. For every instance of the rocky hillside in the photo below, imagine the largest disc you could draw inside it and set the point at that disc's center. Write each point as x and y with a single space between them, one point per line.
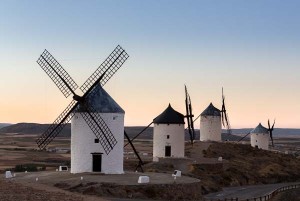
241 165
246 166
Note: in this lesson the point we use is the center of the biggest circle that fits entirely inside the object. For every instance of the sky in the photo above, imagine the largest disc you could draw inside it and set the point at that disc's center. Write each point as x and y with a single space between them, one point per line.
251 48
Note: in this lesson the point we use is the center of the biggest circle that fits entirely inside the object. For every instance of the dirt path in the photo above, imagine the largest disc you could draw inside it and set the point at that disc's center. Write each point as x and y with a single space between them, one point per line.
18 191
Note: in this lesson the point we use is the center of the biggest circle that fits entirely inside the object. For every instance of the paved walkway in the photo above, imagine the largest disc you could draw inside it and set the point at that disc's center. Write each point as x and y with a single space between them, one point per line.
246 192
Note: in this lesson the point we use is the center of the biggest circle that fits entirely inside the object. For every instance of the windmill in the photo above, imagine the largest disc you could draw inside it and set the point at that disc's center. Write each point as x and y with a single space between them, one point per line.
224 115
270 129
189 115
81 103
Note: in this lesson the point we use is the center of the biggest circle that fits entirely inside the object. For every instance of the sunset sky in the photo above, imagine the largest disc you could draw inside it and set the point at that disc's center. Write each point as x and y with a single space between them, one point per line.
251 48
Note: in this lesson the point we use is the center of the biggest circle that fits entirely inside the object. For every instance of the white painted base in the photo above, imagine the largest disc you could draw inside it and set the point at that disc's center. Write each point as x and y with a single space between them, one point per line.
210 128
83 144
260 140
161 140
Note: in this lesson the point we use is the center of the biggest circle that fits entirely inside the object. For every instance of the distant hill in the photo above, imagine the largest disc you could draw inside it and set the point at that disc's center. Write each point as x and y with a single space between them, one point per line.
2 125
33 128
148 133
278 132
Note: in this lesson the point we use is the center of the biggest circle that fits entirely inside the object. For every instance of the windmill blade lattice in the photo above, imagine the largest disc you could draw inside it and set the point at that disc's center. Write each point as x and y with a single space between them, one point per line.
189 116
57 73
224 115
192 122
110 66
270 129
67 86
100 129
57 126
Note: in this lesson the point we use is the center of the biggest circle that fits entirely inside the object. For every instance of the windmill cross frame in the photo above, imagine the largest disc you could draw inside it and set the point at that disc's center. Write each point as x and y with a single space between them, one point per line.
224 116
68 86
189 115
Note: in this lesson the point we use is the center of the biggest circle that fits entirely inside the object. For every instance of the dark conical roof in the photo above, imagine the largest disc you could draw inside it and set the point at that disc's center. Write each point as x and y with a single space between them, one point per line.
169 116
102 102
211 110
260 129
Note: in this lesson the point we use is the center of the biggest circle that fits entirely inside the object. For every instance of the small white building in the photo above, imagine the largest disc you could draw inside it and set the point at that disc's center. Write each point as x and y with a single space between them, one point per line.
87 154
260 137
210 124
168 134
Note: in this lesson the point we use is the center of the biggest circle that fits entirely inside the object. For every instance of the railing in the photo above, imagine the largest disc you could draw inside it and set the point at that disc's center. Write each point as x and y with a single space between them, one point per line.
260 198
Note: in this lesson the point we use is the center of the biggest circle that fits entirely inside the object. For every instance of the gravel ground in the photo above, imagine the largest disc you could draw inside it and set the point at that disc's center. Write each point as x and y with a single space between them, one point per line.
13 191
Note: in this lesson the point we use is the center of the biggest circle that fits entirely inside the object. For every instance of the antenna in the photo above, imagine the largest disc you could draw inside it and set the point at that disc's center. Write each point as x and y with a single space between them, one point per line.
67 86
189 115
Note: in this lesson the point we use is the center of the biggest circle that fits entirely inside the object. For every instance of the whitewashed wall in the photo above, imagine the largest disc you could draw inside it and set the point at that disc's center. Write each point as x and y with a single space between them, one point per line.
210 128
176 140
260 140
82 145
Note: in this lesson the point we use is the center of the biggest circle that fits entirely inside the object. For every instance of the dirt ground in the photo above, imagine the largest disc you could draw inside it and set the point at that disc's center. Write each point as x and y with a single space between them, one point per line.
13 191
129 178
94 186
201 162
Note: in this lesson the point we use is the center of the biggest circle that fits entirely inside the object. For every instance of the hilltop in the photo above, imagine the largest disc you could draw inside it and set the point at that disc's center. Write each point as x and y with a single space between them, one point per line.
241 165
2 125
247 165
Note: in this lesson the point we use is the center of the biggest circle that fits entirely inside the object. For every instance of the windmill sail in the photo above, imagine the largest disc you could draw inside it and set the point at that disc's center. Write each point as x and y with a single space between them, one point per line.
67 86
57 73
110 66
271 131
224 115
189 116
56 127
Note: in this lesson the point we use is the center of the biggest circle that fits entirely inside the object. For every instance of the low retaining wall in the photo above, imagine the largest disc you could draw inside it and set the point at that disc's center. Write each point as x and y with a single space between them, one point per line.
261 198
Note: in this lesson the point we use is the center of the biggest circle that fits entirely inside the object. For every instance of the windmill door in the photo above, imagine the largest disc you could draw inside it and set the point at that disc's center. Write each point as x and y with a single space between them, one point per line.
97 162
167 151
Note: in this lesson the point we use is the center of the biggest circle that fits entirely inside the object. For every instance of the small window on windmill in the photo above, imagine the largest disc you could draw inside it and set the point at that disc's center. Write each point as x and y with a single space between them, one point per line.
115 117
96 140
168 136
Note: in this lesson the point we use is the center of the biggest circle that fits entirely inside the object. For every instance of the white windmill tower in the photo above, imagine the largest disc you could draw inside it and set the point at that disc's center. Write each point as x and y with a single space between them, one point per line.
211 121
168 134
98 126
259 136
86 154
210 124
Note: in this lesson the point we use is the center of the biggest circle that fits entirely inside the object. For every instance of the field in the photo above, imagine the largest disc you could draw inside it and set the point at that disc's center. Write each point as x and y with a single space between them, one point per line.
241 165
18 149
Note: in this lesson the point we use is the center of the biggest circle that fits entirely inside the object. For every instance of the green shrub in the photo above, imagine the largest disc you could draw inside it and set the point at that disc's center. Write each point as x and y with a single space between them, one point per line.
26 167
